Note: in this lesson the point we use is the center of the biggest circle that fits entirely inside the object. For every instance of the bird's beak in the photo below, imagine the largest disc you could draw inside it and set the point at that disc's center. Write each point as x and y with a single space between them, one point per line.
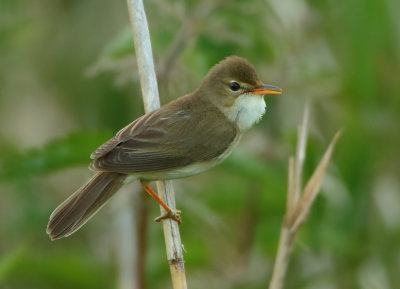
266 89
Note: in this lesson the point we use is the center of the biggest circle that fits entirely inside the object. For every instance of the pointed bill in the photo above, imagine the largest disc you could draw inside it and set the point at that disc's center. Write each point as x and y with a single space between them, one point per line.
266 89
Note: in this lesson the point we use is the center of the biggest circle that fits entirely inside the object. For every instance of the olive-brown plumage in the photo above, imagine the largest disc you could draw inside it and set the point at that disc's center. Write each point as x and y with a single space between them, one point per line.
184 137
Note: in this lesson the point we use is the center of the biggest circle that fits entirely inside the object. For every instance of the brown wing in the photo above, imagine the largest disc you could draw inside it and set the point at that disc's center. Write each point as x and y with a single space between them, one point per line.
174 136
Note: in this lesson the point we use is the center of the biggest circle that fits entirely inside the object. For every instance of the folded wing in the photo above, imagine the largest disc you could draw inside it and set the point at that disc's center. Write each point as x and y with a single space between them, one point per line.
172 137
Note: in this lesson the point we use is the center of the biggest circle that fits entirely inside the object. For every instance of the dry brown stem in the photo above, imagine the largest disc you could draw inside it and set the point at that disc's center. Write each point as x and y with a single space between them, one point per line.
298 201
144 56
141 233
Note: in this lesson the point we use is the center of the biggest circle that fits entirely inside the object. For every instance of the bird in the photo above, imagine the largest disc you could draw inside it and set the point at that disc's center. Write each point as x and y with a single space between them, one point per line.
184 137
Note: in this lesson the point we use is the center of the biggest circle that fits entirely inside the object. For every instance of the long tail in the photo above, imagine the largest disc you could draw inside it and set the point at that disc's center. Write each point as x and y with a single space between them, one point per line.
75 211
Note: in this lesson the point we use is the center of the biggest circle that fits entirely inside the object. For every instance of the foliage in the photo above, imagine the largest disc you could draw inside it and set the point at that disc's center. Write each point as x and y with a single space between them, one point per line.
55 155
67 83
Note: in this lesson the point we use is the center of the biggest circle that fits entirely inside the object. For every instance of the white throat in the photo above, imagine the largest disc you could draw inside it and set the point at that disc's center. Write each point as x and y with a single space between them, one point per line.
246 111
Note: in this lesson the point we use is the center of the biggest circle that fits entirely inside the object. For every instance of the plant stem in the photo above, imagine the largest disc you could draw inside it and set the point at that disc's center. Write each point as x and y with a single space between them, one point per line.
144 56
141 233
285 247
299 200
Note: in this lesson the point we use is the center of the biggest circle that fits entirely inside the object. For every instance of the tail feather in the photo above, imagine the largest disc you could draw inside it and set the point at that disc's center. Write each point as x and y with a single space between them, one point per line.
75 211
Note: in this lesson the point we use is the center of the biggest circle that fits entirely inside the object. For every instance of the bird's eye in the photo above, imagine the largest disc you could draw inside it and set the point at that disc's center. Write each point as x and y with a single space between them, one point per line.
234 86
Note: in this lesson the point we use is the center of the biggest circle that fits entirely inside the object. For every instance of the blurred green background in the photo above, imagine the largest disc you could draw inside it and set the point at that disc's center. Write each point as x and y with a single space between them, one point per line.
68 82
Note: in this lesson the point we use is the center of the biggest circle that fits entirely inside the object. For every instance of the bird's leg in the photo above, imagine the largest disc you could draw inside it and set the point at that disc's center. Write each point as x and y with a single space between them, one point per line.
173 214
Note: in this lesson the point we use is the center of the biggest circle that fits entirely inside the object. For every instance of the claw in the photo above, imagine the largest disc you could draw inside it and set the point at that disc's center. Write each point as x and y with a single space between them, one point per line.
173 214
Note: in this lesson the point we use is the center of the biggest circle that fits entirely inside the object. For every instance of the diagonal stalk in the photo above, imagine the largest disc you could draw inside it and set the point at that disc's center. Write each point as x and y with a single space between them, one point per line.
298 202
144 56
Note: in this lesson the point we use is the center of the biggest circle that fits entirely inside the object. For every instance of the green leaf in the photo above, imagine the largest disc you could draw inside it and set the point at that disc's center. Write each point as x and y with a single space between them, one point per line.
121 46
57 154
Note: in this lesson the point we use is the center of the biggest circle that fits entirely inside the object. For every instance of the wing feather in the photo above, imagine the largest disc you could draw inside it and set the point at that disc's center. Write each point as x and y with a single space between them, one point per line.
165 139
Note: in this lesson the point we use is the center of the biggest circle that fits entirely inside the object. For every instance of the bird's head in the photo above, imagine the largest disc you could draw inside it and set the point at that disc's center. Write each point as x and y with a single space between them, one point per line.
234 87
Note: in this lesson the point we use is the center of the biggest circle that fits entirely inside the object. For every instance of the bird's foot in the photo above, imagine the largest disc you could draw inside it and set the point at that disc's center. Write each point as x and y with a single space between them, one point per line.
173 214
